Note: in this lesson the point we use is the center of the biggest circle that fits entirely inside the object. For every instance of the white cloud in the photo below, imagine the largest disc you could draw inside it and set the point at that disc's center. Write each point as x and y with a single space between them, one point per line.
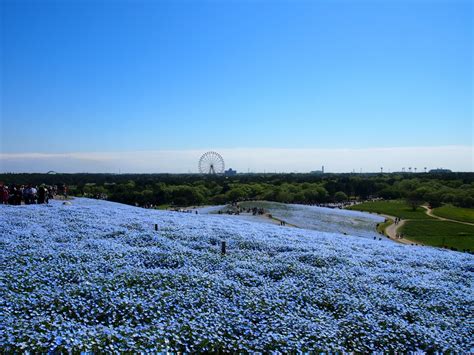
456 158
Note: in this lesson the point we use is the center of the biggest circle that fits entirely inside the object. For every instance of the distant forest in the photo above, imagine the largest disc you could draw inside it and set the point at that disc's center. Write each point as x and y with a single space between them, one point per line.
193 189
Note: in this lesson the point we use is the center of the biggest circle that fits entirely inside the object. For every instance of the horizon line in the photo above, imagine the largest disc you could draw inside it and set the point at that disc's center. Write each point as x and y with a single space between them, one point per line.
284 160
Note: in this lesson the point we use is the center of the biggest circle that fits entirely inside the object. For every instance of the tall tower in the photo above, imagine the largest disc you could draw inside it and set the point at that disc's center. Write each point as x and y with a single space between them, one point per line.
322 169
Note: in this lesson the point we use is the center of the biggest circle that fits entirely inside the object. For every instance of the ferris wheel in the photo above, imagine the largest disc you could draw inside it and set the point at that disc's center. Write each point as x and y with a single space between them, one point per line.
211 163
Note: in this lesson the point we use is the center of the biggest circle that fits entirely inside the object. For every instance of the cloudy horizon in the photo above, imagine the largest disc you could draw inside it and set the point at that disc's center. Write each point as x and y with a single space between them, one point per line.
455 158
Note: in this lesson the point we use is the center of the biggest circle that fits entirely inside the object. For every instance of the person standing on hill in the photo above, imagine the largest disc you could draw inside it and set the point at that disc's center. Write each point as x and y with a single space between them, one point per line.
46 194
11 194
26 194
63 190
41 194
34 194
19 194
4 195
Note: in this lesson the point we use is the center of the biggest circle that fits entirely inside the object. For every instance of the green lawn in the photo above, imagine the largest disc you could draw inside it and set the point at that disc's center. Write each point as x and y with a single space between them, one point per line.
440 233
162 207
456 213
397 208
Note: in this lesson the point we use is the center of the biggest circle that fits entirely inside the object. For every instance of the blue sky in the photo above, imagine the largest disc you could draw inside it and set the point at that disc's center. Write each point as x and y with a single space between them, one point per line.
125 76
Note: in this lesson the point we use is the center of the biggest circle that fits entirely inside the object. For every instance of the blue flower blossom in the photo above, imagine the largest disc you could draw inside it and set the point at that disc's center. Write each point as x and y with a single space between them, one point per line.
96 277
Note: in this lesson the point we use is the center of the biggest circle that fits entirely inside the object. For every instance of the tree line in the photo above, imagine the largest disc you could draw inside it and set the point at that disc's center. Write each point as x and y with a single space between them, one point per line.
193 189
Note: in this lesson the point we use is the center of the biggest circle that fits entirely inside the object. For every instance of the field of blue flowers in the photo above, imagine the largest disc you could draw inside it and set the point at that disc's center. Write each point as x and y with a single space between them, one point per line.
96 276
324 219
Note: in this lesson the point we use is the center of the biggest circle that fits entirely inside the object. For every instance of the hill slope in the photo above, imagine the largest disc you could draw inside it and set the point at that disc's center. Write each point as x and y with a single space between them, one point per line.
323 219
95 275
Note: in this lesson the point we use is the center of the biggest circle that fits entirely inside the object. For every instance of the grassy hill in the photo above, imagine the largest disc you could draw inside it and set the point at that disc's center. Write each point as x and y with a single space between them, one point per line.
456 213
440 233
425 229
396 208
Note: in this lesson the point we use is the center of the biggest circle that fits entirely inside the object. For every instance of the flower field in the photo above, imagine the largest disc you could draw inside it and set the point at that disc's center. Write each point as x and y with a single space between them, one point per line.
96 276
323 219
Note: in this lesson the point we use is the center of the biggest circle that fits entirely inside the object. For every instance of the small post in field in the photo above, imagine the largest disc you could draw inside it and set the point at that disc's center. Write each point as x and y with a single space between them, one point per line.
223 247
156 226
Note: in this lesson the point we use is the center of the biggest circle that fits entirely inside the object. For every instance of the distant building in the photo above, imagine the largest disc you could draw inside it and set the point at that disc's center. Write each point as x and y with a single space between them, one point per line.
230 172
439 171
319 172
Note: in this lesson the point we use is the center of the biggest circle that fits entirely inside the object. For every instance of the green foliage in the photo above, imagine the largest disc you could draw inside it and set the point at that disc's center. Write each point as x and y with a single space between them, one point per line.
390 193
340 196
186 195
456 213
440 233
414 199
159 189
284 196
396 208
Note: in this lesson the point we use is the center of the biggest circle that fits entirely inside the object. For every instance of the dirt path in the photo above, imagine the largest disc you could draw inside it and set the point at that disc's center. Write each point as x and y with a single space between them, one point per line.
392 229
262 218
266 218
429 212
279 221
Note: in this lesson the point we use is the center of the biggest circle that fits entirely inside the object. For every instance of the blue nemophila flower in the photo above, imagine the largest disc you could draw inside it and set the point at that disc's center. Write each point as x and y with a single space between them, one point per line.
96 277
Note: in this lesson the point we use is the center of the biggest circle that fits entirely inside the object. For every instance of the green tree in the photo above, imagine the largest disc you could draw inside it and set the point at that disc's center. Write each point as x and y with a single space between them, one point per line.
414 199
284 196
340 196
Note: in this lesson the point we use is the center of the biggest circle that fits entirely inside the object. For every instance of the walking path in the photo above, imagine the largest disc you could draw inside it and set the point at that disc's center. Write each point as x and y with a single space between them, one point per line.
278 221
429 212
391 230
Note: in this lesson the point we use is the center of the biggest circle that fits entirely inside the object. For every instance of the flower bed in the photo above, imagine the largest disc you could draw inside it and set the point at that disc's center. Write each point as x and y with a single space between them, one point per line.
96 276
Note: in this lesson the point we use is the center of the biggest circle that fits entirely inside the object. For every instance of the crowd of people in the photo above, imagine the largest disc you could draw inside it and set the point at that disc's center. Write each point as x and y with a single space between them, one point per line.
185 210
13 194
236 209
